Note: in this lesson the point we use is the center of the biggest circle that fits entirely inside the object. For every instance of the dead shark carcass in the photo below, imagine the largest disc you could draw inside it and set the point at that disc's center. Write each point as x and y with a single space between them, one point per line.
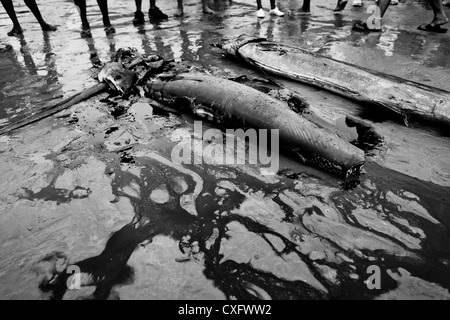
129 69
247 107
117 77
360 84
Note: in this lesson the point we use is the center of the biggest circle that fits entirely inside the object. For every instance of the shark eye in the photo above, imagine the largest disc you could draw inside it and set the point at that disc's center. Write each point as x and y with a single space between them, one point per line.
118 77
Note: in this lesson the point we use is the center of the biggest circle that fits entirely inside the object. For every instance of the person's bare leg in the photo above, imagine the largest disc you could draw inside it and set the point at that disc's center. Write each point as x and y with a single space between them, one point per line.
260 11
9 7
180 9
340 6
306 8
206 8
103 4
273 4
138 5
440 17
81 4
384 5
259 4
37 13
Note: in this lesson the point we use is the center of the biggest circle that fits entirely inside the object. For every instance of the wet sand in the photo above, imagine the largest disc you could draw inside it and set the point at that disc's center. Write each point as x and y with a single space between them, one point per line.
94 189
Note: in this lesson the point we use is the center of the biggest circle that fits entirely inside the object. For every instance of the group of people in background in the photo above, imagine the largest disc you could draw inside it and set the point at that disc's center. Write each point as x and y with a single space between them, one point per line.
437 6
139 18
155 13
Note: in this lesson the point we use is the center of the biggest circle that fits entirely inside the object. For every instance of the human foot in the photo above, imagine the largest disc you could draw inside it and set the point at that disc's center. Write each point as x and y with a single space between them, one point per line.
86 32
110 30
276 12
260 13
48 27
156 14
432 28
16 31
139 18
439 20
435 25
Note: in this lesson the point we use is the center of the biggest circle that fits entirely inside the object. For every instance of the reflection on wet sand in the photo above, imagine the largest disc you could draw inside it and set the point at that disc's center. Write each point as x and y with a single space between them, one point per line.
93 53
34 86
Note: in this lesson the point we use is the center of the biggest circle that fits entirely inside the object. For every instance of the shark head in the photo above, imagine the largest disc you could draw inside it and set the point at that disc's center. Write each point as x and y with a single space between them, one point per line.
117 77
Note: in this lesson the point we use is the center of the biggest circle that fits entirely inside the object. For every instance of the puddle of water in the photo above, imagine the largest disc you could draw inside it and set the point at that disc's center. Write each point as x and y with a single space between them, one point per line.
350 133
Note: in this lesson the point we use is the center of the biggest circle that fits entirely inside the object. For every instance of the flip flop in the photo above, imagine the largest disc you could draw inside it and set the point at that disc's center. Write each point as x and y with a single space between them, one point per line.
361 26
110 30
430 28
86 33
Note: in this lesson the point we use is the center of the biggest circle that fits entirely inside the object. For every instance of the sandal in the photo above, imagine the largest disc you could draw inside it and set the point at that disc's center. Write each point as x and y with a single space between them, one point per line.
431 28
86 33
110 30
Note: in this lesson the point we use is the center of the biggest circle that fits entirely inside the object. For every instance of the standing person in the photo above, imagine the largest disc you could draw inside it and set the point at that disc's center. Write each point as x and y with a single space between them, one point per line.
154 13
273 9
434 26
17 29
85 27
